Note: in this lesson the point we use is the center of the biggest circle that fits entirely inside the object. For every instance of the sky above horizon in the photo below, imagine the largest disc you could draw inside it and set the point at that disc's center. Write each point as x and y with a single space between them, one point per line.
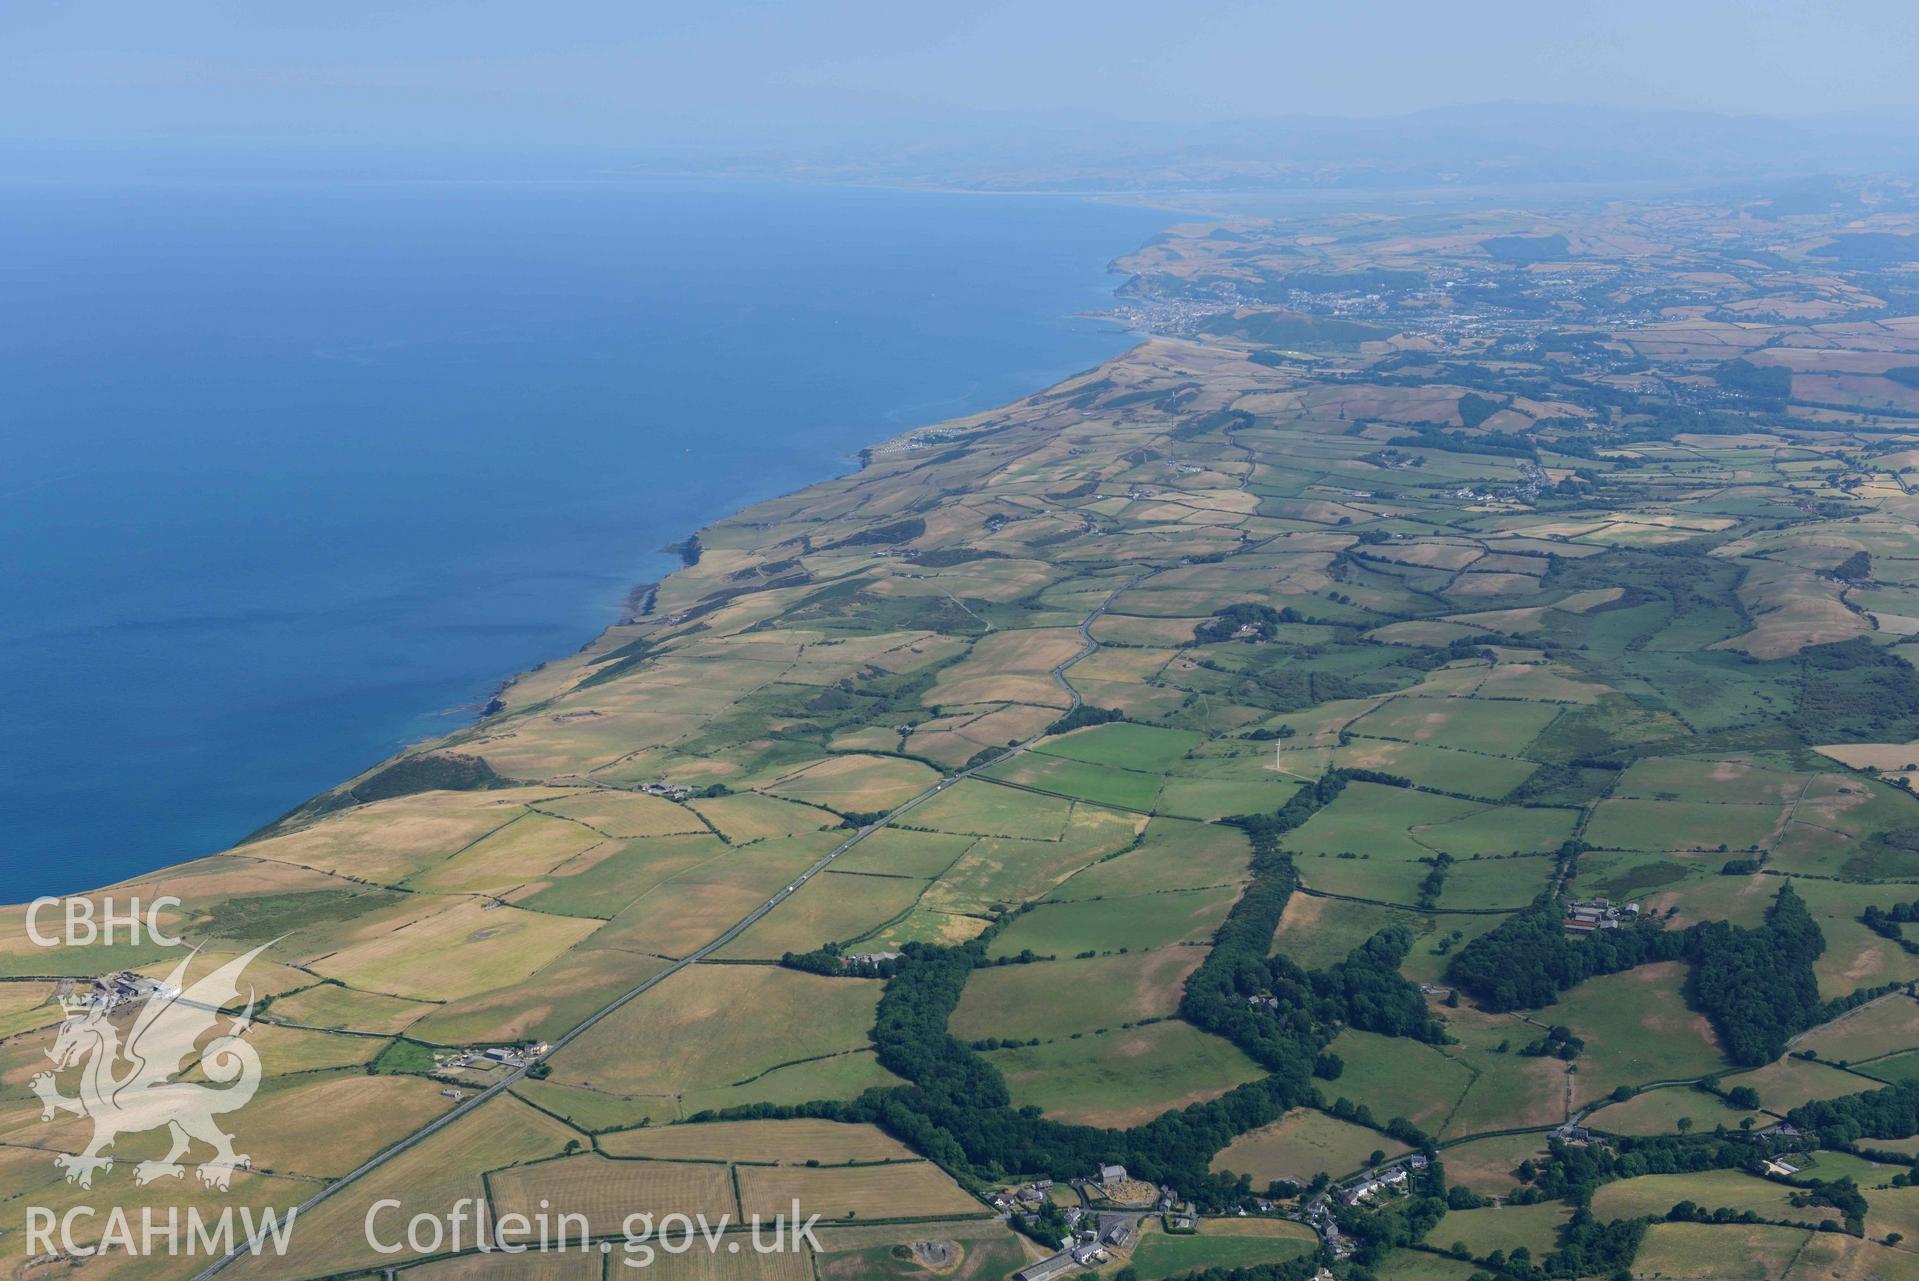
593 72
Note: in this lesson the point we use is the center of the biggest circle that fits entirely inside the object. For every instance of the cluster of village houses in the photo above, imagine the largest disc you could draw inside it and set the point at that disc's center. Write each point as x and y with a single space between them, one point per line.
1103 1233
1390 1178
1087 1246
1091 1245
1086 1249
1364 1189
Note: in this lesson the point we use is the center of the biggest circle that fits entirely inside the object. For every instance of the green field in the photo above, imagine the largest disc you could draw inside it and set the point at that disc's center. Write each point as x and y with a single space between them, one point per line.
992 1259
1212 799
1659 1112
1637 1030
837 1076
1136 922
1104 784
1377 821
1654 1194
1123 1078
1893 1069
1509 1089
1504 830
1869 1033
981 809
1169 855
1132 747
834 907
1051 999
1678 778
896 851
1494 729
1502 1227
614 878
1301 1144
997 871
1787 1083
1440 768
1682 825
1477 884
1417 1265
1397 1078
1227 1243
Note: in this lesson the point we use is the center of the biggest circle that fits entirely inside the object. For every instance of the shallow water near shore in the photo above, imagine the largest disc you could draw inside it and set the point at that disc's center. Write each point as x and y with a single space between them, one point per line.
291 475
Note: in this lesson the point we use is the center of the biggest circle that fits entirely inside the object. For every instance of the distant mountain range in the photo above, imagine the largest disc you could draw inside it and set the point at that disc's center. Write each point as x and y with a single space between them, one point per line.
1491 145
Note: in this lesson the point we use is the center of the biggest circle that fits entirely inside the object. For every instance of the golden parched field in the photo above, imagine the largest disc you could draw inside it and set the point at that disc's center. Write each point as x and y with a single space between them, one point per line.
463 948
557 1265
696 1264
713 1025
606 1192
323 1124
793 1142
430 1177
916 1190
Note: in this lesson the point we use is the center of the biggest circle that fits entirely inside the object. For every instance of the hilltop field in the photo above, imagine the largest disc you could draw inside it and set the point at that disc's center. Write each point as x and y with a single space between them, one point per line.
1443 702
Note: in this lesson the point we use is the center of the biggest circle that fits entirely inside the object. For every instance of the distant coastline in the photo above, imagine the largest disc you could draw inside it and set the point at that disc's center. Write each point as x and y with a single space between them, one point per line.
640 597
517 511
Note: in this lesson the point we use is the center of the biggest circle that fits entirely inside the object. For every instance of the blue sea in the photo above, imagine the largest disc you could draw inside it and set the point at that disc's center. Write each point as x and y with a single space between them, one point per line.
293 474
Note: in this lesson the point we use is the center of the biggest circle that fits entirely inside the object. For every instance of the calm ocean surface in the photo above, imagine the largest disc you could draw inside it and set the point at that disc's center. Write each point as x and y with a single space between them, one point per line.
292 475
